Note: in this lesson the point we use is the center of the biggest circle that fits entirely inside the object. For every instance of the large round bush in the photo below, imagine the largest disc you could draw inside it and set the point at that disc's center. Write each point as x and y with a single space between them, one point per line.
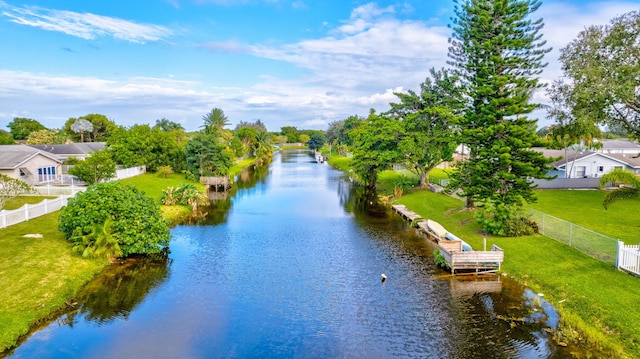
137 220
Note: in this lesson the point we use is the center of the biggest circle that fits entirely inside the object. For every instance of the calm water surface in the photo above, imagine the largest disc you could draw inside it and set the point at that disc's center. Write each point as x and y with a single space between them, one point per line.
288 266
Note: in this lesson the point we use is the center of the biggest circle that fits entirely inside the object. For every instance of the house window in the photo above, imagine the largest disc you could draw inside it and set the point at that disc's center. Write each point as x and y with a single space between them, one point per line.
46 174
24 171
581 171
600 168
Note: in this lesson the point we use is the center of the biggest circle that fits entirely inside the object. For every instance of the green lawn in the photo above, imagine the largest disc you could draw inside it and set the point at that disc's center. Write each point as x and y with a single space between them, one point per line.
152 185
37 275
585 209
592 297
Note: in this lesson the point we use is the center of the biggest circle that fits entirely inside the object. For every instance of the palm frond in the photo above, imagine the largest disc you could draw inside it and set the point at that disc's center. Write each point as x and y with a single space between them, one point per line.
619 194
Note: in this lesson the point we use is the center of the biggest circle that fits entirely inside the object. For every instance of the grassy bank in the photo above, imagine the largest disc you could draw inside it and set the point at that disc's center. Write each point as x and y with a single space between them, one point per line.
37 276
152 186
594 299
596 302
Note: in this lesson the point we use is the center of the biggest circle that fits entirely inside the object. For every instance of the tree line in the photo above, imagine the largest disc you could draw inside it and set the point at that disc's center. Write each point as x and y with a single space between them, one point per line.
166 145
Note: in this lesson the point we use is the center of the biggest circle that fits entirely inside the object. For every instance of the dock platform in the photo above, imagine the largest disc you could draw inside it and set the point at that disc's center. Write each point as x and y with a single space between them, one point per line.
458 255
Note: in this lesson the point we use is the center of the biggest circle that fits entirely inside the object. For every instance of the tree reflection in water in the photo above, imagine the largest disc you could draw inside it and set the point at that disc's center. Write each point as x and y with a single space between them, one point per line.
120 288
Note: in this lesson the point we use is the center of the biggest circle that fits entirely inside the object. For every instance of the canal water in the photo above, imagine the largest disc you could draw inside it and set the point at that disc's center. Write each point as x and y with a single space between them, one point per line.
289 265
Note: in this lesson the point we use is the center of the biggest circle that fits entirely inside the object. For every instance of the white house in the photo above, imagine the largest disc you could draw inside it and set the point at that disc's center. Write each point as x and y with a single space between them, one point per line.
588 164
29 164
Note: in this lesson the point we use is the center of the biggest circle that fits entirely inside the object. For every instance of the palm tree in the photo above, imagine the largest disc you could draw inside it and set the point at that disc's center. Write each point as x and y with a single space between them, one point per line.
629 184
167 126
214 121
100 242
262 148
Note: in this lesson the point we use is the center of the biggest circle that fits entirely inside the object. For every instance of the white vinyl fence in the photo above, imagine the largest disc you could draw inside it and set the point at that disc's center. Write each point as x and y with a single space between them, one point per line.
628 258
57 190
29 211
130 172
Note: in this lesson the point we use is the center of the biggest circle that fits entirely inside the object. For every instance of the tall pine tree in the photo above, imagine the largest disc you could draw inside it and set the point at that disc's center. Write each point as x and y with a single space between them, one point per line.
499 52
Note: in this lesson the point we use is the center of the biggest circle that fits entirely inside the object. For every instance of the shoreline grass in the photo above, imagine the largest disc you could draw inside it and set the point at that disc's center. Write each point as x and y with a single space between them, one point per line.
594 299
38 276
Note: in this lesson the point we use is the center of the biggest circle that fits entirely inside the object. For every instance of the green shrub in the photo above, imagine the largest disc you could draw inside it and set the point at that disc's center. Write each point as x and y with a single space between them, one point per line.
439 258
189 176
505 220
164 171
137 220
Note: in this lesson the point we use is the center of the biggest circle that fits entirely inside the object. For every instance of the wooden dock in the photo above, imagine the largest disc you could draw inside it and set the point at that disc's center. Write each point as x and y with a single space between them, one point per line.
451 247
406 213
478 261
217 182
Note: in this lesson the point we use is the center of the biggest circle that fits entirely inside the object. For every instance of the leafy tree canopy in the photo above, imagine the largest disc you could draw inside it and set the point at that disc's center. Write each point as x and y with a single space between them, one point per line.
257 125
167 126
375 146
152 147
6 138
602 64
21 127
136 220
290 132
11 188
316 141
430 122
101 128
206 157
215 121
96 168
46 137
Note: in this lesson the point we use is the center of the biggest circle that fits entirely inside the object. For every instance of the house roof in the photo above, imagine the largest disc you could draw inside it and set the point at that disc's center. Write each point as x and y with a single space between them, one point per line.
630 160
619 144
560 155
13 156
72 149
626 159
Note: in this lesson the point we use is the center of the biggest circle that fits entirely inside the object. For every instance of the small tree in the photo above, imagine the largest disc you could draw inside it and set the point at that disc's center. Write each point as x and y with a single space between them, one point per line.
164 171
375 146
316 142
11 188
95 169
137 222
81 126
206 157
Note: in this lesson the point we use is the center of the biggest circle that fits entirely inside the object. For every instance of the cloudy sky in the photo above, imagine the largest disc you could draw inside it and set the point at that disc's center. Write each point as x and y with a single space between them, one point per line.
301 63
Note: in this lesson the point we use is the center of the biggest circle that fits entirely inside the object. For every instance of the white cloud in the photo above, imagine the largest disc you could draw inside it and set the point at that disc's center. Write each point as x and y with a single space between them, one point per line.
85 25
355 67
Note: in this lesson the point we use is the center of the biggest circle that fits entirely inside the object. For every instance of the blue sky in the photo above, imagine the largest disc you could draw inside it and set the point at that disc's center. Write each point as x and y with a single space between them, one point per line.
299 63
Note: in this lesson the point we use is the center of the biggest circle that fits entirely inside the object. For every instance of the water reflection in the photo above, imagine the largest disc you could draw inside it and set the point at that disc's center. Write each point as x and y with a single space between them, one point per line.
118 289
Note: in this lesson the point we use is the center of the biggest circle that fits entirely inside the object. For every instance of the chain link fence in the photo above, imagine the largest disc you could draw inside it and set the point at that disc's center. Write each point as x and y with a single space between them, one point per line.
587 241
